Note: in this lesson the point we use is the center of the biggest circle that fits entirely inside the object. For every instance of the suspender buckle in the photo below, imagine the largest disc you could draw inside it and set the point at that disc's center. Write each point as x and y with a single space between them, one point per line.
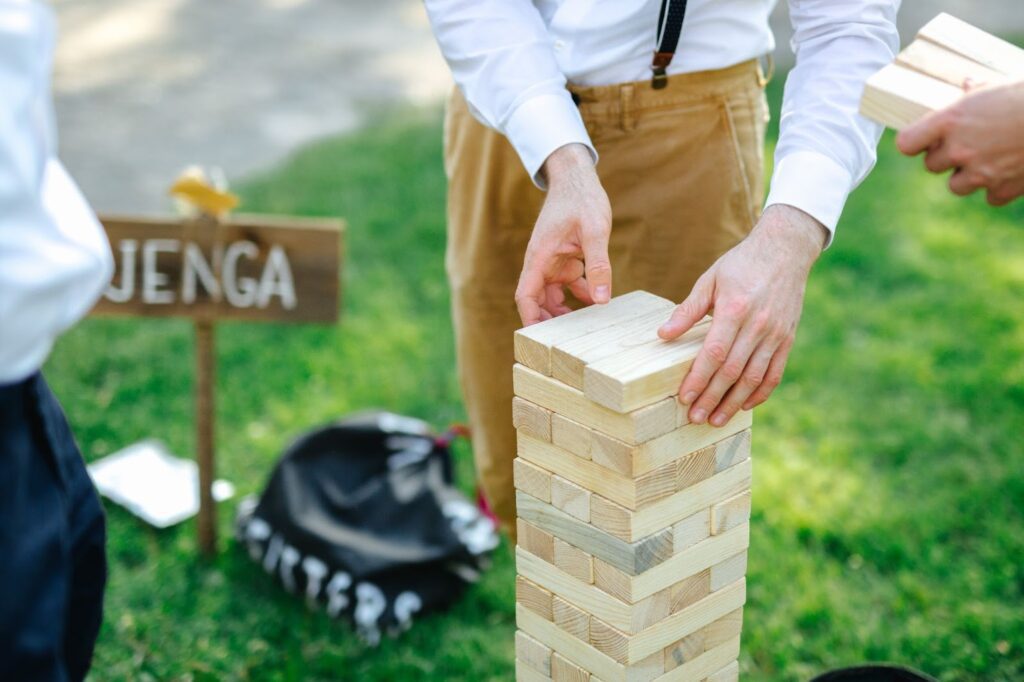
658 65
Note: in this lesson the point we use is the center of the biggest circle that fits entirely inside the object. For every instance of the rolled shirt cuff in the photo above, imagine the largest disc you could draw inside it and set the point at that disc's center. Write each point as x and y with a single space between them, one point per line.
542 124
814 183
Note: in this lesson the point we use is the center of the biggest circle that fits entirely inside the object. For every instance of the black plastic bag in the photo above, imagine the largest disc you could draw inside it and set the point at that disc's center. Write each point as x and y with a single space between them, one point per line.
362 518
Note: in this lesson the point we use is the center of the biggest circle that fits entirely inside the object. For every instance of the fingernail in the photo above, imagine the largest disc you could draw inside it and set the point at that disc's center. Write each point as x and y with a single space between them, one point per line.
601 293
718 419
689 398
698 416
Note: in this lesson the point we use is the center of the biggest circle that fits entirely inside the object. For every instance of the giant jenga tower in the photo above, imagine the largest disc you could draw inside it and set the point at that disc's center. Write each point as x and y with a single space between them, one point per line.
633 524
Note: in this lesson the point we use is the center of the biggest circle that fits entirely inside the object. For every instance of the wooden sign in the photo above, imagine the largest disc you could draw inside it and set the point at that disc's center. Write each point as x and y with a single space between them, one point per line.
255 268
239 268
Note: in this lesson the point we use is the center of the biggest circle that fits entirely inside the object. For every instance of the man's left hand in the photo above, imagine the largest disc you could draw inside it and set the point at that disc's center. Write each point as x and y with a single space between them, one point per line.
756 291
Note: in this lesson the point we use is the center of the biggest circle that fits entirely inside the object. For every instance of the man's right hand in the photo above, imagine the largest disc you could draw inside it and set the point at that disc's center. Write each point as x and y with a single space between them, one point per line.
569 244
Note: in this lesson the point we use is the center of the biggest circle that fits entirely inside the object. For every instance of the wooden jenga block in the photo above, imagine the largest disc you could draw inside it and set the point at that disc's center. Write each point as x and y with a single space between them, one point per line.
580 653
572 436
531 479
534 654
689 591
897 96
977 45
571 618
564 670
535 540
531 419
533 344
573 561
729 571
532 596
684 651
936 61
723 630
691 530
730 673
730 513
524 673
732 451
570 498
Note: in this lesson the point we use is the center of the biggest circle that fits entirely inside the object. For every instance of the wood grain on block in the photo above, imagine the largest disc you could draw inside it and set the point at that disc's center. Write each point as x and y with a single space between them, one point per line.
685 650
531 479
695 467
938 62
613 581
609 640
974 43
657 484
632 558
525 673
897 96
730 513
651 610
703 555
732 451
564 670
729 571
730 673
574 437
610 517
638 426
643 374
534 597
531 419
580 653
689 591
585 473
691 530
533 653
533 344
573 561
570 498
725 629
571 618
569 358
535 540
704 665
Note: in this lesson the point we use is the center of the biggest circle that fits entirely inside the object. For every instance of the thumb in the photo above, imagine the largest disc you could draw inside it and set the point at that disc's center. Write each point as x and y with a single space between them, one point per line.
690 311
598 266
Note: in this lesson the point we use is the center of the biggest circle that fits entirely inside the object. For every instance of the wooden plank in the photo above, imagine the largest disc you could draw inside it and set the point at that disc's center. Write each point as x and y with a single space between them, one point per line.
643 374
724 629
936 61
569 358
730 673
730 513
570 498
571 618
689 591
573 561
609 640
691 530
706 664
636 427
729 571
694 468
257 268
974 43
534 654
585 473
570 435
632 558
703 555
533 344
610 517
897 96
578 652
684 651
534 597
564 670
531 479
531 419
525 673
732 451
535 540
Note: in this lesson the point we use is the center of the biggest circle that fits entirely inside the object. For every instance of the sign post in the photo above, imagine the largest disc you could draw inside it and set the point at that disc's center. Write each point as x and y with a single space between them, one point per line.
255 268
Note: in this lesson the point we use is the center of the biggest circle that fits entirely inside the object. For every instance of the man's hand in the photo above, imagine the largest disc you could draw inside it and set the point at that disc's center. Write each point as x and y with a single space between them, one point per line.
569 245
981 136
756 291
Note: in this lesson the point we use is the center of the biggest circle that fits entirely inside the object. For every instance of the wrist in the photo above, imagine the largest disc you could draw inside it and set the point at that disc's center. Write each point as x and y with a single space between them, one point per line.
566 161
801 232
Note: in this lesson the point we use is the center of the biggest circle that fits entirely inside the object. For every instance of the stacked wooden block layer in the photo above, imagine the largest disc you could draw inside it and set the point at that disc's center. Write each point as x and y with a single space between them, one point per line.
931 73
633 524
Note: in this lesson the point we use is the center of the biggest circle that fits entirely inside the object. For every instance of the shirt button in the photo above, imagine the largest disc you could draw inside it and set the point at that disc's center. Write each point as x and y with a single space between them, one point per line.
559 45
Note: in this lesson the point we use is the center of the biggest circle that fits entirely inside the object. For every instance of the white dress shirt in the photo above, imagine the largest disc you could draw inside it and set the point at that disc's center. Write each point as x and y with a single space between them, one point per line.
54 258
512 59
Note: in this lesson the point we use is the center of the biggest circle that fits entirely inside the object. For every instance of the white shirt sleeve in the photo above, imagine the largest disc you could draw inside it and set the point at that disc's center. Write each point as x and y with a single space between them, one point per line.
502 60
825 147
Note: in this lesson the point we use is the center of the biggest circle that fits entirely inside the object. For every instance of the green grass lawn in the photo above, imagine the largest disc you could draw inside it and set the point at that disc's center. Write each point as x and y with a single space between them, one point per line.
889 475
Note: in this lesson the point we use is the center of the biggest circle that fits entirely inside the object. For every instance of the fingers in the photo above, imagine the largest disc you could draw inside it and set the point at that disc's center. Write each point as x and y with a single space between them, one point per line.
710 359
920 136
727 375
598 267
772 378
690 311
530 294
964 182
554 300
938 159
753 376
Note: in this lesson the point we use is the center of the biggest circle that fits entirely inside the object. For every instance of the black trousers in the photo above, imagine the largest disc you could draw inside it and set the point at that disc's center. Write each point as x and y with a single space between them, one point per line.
53 564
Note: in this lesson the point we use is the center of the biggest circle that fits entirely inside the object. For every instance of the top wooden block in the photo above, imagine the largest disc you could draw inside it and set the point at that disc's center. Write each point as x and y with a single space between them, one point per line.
971 42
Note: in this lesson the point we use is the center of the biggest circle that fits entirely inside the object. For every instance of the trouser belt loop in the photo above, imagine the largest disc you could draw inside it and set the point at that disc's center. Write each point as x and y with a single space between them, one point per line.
627 116
766 72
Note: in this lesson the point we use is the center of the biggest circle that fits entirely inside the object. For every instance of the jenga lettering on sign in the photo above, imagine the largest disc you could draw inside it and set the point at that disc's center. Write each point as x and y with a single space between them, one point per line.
633 524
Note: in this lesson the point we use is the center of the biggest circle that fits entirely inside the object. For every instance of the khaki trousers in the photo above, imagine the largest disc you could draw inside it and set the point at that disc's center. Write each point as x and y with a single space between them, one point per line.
683 169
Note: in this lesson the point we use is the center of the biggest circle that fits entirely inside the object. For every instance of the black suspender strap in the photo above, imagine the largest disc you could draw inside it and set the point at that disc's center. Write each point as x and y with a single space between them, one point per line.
670 25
